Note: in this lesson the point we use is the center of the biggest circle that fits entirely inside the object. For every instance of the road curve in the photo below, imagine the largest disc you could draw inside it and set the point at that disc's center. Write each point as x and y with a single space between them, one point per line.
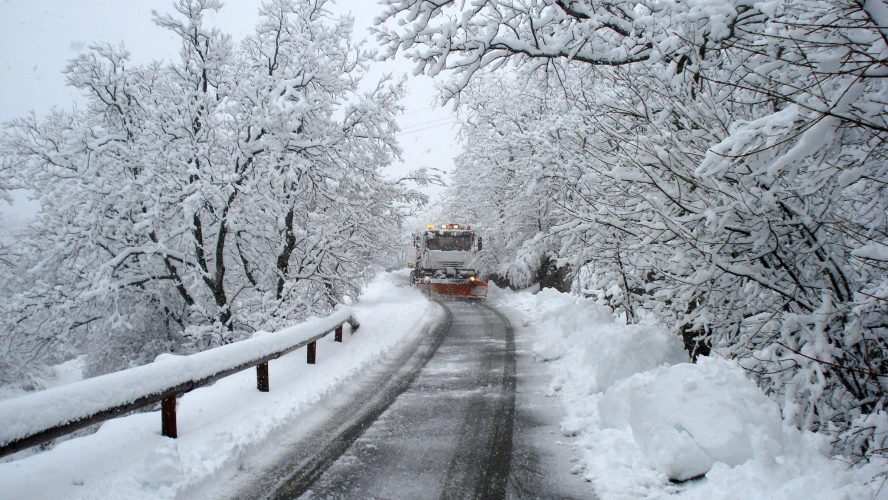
439 422
448 434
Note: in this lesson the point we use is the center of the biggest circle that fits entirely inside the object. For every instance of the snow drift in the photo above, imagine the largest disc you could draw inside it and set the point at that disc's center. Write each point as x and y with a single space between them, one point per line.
685 417
645 419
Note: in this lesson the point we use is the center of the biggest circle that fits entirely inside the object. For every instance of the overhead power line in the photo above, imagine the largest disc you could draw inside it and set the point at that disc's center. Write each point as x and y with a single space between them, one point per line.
430 122
452 122
420 110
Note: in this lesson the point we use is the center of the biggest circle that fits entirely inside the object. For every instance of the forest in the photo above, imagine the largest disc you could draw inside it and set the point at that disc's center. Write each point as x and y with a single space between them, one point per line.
716 166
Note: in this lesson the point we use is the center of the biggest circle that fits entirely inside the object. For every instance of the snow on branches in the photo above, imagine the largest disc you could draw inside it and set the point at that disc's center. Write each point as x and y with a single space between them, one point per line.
720 165
539 35
190 204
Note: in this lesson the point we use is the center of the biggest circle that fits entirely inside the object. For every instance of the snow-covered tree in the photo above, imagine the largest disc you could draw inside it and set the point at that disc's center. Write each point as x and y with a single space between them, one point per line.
499 183
237 189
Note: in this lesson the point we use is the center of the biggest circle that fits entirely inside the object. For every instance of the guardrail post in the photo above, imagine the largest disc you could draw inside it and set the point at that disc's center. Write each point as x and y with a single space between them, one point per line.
338 336
312 352
262 377
168 417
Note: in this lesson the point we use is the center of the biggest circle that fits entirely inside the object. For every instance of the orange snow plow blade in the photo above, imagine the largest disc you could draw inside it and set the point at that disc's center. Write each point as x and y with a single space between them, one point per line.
455 290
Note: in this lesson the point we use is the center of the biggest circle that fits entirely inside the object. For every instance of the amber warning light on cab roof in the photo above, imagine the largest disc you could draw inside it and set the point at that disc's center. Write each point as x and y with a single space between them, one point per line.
449 226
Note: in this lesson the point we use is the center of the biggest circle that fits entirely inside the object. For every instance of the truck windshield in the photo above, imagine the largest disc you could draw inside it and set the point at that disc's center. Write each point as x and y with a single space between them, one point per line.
448 241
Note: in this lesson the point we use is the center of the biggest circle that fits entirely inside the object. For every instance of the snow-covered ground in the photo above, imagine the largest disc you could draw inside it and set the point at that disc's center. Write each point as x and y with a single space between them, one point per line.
644 418
641 416
128 458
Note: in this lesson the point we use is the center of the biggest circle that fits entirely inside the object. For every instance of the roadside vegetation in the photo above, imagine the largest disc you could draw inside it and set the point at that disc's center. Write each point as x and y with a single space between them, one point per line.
719 167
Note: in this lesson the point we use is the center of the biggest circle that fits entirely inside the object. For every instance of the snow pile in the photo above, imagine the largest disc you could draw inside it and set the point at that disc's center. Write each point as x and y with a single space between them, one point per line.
646 420
220 424
582 327
618 351
686 417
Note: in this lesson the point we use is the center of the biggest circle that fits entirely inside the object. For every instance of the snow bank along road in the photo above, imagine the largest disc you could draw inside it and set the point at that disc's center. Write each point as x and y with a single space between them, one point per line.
438 424
428 400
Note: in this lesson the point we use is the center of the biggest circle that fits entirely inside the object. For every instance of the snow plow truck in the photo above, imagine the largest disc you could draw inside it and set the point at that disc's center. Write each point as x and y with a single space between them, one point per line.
444 262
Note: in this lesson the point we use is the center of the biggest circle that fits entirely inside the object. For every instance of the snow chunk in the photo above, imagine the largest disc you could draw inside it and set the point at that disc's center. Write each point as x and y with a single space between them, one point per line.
563 318
613 351
620 351
570 324
687 417
70 371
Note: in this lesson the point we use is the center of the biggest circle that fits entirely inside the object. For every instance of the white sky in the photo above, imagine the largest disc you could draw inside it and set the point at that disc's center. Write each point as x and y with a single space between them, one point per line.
38 37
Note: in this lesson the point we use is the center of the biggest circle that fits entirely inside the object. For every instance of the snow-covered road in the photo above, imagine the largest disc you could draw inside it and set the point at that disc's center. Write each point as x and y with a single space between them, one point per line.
435 400
437 422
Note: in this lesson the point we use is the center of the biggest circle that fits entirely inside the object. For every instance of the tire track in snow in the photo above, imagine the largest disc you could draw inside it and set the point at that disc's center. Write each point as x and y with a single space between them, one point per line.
483 471
297 482
465 397
500 449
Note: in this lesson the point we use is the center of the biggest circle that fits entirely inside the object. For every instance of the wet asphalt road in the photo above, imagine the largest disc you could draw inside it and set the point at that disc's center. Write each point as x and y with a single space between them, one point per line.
438 422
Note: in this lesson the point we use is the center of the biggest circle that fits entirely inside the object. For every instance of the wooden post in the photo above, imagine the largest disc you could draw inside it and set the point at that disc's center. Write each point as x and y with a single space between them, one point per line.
338 336
262 377
312 352
168 417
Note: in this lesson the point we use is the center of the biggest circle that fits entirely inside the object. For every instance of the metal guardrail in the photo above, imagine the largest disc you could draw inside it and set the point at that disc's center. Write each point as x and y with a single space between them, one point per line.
13 440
